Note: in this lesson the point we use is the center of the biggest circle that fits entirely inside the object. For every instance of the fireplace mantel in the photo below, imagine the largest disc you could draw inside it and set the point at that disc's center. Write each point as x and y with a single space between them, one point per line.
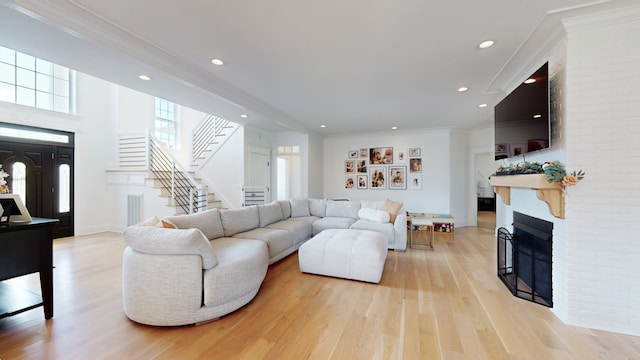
550 193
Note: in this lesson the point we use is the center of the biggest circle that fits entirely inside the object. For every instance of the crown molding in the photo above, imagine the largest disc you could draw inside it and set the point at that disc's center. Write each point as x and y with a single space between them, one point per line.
605 18
75 19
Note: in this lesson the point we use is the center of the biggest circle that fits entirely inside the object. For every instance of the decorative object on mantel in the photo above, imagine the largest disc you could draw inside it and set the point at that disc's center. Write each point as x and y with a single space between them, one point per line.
553 170
549 180
4 188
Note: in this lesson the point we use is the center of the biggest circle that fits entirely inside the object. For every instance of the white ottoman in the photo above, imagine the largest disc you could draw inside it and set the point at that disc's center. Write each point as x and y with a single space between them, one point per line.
345 253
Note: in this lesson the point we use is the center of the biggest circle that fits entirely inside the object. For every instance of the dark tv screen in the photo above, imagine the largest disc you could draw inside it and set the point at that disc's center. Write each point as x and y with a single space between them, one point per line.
522 117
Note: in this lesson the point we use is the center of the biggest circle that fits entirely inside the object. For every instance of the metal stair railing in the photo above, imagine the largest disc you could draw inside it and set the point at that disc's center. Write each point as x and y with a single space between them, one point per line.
208 133
184 190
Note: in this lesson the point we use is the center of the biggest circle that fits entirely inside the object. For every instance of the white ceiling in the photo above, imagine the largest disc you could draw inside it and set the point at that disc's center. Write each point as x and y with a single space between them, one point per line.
356 66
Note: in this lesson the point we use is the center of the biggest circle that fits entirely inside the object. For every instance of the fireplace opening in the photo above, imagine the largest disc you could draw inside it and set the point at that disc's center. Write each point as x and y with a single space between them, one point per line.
524 258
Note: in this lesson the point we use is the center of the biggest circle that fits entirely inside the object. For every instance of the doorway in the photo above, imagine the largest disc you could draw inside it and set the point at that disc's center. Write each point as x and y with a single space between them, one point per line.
40 167
486 205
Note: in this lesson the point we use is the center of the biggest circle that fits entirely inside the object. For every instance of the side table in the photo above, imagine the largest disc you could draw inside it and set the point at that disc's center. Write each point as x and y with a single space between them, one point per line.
420 224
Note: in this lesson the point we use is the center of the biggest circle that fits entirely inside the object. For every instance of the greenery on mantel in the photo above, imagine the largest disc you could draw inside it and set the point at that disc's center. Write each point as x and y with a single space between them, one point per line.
554 171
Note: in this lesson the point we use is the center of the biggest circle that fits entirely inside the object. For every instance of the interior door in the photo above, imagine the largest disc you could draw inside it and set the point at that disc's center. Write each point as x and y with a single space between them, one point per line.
259 171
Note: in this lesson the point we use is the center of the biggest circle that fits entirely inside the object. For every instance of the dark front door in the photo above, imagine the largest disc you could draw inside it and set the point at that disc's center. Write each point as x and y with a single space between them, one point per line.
47 180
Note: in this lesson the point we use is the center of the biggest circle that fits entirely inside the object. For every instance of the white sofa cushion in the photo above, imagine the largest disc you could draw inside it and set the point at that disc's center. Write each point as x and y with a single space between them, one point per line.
347 209
286 208
372 204
243 266
331 222
239 220
300 207
160 241
277 240
269 213
301 230
207 221
317 207
373 215
385 229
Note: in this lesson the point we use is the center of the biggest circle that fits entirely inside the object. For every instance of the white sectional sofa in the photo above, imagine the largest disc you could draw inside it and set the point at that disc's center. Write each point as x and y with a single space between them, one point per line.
194 268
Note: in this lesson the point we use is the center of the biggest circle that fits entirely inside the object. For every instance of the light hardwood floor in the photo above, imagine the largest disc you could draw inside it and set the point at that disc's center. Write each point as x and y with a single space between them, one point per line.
442 304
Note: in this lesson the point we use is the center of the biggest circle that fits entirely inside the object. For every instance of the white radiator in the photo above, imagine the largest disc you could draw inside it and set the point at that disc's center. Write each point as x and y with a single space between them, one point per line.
134 209
254 195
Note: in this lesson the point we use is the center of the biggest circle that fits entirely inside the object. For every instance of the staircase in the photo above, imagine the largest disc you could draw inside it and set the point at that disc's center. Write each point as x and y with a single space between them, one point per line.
182 188
208 137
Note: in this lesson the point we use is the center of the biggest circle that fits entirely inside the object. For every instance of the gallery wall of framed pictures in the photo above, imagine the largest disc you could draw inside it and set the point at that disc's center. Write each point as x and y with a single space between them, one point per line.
383 168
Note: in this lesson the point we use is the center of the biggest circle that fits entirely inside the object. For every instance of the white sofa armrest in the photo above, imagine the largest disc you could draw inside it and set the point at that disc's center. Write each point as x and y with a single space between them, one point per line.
400 229
161 241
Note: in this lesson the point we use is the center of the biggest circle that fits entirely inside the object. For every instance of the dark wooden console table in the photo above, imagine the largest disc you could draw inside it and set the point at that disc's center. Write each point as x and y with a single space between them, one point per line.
26 248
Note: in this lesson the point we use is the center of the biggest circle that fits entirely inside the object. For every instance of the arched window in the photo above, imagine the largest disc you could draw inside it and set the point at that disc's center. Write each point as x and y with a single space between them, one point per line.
64 193
19 180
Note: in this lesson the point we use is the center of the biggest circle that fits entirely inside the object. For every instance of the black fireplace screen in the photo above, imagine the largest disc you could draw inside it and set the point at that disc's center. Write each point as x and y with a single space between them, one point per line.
524 259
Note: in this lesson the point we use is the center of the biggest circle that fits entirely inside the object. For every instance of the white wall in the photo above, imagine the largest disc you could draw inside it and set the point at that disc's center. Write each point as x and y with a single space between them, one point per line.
316 173
602 139
224 172
458 175
437 165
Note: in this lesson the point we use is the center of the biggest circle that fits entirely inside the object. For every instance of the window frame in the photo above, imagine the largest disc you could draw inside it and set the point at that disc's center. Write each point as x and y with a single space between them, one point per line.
30 81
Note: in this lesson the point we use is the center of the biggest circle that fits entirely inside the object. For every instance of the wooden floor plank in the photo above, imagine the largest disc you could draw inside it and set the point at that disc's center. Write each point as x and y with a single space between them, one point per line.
445 303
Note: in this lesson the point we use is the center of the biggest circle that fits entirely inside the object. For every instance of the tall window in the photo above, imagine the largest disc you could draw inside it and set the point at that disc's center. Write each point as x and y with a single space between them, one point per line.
27 80
19 180
165 124
64 192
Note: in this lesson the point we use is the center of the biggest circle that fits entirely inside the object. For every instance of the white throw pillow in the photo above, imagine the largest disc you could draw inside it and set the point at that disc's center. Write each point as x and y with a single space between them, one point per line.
373 215
300 207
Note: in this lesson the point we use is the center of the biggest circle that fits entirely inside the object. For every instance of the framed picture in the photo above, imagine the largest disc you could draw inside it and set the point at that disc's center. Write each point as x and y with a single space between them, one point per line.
364 152
382 155
401 156
362 182
349 182
415 182
516 149
415 165
501 149
378 177
414 152
349 166
353 154
398 177
361 165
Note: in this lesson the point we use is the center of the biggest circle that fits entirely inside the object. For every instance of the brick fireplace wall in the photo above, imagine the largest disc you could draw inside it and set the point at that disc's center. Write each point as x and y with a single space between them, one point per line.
596 248
603 138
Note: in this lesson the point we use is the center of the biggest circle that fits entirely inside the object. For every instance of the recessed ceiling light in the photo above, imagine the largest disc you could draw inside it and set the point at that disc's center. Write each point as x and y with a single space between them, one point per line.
463 89
482 105
537 116
144 77
323 126
216 61
485 44
530 81
394 128
243 116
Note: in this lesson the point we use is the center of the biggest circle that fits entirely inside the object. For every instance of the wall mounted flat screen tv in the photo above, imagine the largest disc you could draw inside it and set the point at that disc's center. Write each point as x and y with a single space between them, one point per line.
522 117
